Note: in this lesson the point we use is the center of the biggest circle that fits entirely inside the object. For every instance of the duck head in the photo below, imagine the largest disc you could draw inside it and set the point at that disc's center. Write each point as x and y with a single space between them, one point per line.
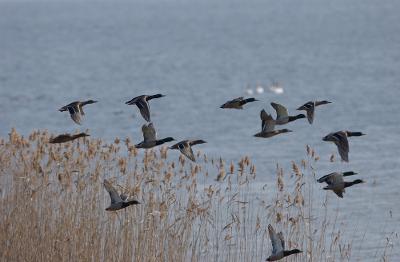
81 135
349 173
323 102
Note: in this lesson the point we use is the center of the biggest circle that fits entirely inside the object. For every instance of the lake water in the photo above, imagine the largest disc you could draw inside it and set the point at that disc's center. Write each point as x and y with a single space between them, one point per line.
201 54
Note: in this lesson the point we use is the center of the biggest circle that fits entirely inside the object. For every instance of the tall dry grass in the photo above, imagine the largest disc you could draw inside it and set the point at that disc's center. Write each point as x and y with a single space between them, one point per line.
52 206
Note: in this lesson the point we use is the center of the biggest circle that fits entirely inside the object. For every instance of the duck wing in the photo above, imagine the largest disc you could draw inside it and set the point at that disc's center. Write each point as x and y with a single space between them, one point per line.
142 104
149 133
115 197
186 150
144 109
309 107
80 108
331 179
280 235
267 122
340 140
275 240
325 178
74 113
281 111
310 115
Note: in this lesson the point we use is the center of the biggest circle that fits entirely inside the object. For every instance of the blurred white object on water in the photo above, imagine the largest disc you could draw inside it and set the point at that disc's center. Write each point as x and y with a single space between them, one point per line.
276 88
249 91
259 89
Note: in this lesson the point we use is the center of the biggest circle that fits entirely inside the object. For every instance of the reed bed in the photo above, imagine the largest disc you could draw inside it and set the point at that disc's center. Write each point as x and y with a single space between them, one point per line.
52 205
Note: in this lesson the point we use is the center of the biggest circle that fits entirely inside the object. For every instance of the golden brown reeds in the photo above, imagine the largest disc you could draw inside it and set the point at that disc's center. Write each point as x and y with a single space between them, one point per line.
52 206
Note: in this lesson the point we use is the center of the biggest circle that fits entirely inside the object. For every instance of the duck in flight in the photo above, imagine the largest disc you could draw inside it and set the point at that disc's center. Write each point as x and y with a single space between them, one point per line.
309 107
341 141
238 103
337 184
66 138
150 137
278 246
185 147
142 102
282 115
117 201
268 126
75 109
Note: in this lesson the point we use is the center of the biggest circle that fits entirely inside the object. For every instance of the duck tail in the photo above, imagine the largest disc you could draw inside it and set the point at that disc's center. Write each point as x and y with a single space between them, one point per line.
131 102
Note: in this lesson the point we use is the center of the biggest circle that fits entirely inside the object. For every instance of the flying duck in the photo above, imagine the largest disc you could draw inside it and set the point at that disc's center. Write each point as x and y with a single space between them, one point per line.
117 201
282 115
238 103
278 246
309 107
75 109
340 140
66 138
268 126
142 102
337 184
149 137
185 147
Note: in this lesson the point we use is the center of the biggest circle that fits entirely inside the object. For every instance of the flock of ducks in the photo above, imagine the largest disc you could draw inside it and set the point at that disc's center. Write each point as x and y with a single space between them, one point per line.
335 181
